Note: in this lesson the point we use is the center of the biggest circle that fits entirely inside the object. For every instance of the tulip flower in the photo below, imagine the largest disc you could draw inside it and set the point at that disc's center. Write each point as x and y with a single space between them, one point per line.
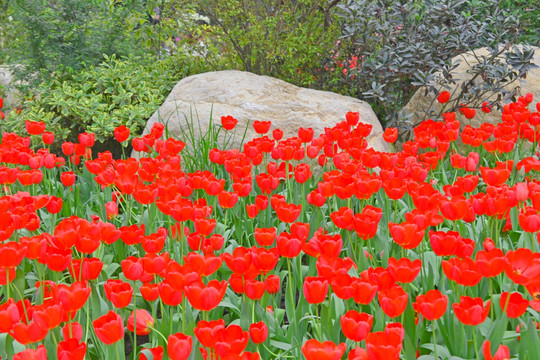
109 328
140 321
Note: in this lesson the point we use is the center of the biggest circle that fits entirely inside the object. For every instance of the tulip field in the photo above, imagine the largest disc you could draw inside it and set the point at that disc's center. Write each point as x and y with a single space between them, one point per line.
311 247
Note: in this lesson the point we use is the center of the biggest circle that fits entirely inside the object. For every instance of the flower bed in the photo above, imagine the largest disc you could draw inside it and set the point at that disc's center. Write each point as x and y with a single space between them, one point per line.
310 245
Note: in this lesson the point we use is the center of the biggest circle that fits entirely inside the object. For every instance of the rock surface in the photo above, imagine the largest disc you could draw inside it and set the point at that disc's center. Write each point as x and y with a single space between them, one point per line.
249 97
9 95
420 102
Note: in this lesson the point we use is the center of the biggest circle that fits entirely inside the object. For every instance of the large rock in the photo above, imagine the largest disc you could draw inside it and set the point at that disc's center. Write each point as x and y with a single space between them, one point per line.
250 97
420 103
7 91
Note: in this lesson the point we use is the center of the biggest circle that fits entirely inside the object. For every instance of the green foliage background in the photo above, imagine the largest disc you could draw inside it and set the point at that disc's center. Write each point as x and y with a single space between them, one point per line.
95 64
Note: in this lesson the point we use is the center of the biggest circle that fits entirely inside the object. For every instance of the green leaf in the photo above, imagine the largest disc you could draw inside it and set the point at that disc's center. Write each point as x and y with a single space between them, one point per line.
281 345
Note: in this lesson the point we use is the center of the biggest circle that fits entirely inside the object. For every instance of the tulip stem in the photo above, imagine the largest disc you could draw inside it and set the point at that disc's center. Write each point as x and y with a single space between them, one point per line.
320 323
277 355
8 284
292 297
134 326
184 317
54 339
474 342
117 352
160 334
492 300
434 339
253 311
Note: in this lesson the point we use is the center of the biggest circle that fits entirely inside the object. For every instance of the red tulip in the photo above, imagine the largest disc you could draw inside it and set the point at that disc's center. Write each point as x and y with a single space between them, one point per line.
72 330
393 301
206 297
366 223
356 326
443 97
306 135
471 311
85 269
390 135
72 297
395 188
323 244
169 294
87 139
363 291
11 254
258 332
444 243
119 293
315 350
265 236
467 112
27 333
343 218
287 212
227 200
407 235
523 266
140 321
179 346
9 315
463 271
503 352
228 122
35 127
513 304
149 292
495 177
121 133
315 289
277 134
289 246
272 284
358 354
261 127
67 178
48 315
352 118
490 263
240 260
383 345
404 269
71 349
205 331
231 340
109 328
157 353
432 305
265 260
132 268
30 354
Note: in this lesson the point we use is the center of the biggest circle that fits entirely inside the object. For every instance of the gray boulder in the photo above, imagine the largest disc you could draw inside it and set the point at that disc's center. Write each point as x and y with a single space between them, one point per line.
249 97
421 103
7 91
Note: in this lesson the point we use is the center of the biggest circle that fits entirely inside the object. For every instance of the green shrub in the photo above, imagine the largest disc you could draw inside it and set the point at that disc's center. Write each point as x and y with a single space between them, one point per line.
396 46
100 98
57 38
529 12
288 40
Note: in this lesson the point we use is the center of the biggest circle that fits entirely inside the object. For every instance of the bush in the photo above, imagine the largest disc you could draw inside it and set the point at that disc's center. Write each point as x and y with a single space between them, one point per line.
100 98
529 11
397 46
62 37
289 40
